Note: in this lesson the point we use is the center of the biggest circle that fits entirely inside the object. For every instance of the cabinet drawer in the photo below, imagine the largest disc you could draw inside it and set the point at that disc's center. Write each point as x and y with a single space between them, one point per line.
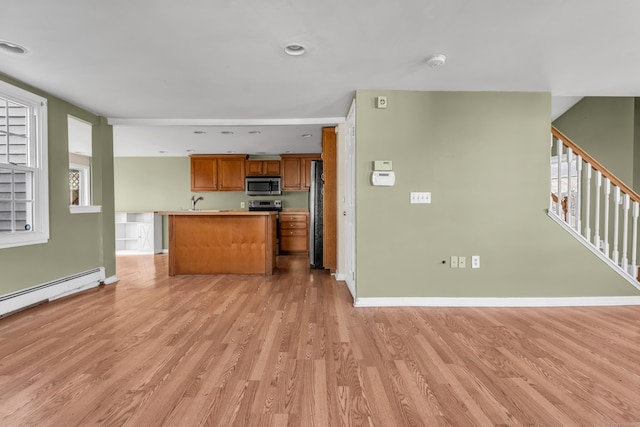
292 218
294 232
289 225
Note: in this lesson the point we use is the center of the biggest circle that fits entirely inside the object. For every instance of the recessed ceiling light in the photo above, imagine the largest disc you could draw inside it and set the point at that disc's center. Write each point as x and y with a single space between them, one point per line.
294 49
306 135
230 152
190 151
12 47
288 151
255 132
162 152
226 132
436 60
199 132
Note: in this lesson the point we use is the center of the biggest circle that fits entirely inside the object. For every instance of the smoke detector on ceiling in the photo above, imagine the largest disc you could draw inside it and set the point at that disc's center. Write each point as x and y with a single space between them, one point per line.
436 60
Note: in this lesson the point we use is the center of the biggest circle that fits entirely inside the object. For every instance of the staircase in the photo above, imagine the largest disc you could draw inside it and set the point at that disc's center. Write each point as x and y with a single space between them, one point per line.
594 206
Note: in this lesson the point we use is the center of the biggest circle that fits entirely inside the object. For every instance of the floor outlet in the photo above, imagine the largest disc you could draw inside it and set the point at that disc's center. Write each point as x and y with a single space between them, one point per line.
454 262
462 262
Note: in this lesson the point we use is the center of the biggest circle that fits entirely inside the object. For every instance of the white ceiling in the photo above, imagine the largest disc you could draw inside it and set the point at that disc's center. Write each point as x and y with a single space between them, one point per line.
192 64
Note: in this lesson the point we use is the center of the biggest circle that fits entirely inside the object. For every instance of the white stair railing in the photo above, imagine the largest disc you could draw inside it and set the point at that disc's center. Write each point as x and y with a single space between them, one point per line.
576 179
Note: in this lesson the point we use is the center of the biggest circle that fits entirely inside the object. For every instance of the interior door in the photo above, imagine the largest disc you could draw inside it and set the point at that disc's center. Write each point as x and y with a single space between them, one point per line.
349 201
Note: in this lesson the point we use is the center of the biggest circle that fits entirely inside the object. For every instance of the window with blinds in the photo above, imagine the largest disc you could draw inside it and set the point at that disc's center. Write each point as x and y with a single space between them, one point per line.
23 178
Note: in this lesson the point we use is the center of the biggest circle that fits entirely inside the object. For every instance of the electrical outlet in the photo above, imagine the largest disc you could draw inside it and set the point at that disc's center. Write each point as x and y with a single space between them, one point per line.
462 262
241 205
454 262
475 261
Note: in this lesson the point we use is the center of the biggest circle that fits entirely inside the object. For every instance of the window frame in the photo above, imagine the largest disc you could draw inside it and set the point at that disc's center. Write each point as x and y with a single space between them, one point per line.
38 165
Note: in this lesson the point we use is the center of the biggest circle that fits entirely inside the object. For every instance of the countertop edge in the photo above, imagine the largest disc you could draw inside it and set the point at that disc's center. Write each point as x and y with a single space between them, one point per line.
222 212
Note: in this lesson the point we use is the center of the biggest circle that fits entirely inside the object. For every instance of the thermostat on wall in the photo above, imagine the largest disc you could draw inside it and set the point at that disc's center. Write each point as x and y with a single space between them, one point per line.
383 178
382 165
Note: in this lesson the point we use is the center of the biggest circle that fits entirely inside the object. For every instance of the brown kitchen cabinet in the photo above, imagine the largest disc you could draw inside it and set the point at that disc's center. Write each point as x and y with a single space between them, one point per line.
217 173
262 167
294 233
204 173
296 171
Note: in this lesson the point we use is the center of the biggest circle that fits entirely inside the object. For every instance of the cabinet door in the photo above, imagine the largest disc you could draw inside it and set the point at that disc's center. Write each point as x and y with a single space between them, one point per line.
291 173
231 173
204 174
305 169
254 167
271 167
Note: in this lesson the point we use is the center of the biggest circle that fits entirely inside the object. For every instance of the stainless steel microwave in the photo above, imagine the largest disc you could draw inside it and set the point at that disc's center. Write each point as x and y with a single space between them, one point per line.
262 186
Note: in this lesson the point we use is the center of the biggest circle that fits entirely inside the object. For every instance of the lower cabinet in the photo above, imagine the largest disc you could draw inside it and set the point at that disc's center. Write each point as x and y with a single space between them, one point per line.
138 233
294 233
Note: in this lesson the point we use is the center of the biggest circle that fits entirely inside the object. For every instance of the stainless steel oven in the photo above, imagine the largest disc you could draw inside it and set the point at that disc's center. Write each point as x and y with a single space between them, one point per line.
269 205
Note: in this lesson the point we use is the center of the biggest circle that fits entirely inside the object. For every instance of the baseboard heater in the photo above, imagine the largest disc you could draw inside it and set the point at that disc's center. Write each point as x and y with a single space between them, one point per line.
19 300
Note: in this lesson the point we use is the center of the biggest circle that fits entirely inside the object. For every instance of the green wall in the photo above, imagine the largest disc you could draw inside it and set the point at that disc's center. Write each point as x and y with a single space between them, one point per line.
164 183
78 242
485 159
604 128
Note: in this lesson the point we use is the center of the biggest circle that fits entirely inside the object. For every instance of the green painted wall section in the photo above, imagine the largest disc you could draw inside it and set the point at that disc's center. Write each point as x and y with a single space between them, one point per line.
485 159
604 128
78 242
636 144
164 183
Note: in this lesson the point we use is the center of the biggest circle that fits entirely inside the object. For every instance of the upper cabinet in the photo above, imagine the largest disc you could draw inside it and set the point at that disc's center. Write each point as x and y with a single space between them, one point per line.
262 167
231 173
204 173
217 173
296 171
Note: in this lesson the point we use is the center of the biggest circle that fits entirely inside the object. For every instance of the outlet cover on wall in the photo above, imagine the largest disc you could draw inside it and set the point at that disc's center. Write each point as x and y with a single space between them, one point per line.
454 261
462 262
475 261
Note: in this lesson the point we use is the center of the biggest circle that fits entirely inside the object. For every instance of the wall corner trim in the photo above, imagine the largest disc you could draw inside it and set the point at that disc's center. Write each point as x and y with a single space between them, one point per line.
497 302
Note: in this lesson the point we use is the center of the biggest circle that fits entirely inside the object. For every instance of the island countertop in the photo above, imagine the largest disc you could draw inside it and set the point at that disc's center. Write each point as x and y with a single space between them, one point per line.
211 241
217 212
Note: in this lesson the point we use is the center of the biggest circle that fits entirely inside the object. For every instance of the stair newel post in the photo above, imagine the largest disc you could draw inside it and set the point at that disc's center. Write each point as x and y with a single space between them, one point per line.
615 255
607 194
625 231
578 201
596 222
587 204
634 239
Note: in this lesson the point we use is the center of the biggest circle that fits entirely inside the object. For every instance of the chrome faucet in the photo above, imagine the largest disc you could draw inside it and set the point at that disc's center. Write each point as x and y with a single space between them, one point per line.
194 201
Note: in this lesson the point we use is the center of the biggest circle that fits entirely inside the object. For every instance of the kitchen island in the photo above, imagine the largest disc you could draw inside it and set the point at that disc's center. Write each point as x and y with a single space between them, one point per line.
221 242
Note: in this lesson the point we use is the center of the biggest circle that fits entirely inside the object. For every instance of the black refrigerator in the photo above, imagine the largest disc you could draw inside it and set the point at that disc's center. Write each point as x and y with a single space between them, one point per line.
315 215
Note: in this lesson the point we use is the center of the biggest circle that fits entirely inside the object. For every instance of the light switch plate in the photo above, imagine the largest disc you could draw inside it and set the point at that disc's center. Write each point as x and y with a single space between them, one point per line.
462 262
420 197
454 261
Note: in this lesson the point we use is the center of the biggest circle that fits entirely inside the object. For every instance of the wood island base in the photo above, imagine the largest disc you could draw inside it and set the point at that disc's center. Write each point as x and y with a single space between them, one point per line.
219 242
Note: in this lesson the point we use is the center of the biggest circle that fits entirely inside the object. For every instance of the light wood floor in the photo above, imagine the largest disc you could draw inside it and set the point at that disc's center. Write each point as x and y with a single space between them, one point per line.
291 350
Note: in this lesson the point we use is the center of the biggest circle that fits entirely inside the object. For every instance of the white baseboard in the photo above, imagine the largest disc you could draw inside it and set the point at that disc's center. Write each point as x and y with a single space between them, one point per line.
497 302
111 279
340 276
50 291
